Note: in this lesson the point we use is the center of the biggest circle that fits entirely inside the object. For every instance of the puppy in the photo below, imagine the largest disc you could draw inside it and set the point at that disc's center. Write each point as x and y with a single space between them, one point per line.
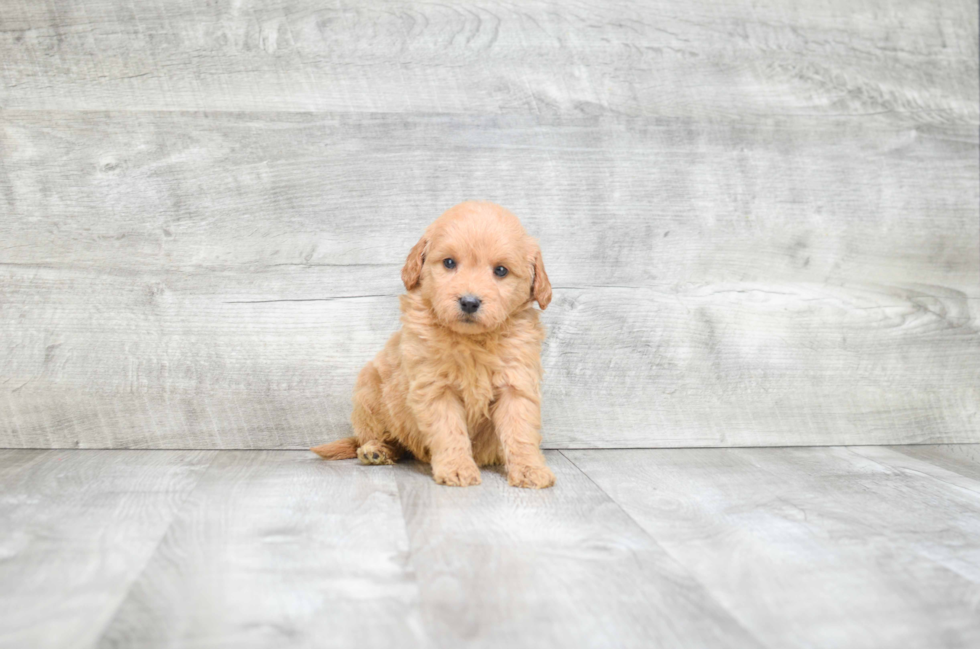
459 385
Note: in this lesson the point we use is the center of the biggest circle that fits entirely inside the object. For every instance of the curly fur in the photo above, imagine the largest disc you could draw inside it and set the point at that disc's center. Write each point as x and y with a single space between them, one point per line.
457 390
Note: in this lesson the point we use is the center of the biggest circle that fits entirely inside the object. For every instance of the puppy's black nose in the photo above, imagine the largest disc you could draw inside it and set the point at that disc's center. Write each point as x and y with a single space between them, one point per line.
469 303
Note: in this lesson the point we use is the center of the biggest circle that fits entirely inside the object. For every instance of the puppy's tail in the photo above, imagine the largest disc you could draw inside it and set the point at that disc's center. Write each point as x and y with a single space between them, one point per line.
342 449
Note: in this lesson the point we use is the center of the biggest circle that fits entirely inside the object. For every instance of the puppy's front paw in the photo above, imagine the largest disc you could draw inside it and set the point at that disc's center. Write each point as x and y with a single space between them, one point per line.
530 477
456 474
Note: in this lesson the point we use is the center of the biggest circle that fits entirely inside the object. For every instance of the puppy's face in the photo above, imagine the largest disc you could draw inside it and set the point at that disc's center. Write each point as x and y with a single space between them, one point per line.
475 266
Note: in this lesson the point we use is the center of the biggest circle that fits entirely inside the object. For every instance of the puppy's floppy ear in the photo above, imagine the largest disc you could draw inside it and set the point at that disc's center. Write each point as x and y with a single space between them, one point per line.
540 286
412 271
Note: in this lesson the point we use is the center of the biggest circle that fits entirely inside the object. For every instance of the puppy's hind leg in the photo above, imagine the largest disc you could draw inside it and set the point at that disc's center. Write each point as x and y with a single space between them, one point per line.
367 421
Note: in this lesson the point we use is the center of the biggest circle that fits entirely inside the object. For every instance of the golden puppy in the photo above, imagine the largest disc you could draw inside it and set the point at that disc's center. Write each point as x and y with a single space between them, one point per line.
459 385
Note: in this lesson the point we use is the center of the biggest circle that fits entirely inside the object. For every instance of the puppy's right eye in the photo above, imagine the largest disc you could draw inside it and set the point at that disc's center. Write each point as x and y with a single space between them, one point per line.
449 263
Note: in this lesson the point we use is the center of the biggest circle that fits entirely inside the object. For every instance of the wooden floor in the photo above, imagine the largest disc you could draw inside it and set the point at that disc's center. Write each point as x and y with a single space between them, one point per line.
779 547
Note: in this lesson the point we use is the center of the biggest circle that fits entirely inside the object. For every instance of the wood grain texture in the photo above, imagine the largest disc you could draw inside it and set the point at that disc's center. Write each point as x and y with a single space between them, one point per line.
164 362
655 57
786 547
812 547
217 280
499 566
615 201
762 221
275 549
76 529
959 458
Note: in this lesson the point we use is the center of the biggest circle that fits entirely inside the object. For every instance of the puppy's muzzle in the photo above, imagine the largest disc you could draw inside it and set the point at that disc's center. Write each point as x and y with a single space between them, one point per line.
469 304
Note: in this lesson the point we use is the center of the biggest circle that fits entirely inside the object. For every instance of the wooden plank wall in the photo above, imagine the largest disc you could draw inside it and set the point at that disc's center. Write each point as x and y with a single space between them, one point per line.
761 219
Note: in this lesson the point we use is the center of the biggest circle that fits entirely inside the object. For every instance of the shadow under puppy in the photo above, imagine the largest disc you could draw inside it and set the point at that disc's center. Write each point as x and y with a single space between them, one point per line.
459 385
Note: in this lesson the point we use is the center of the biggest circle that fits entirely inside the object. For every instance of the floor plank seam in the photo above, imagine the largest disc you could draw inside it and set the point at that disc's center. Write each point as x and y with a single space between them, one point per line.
708 593
178 509
410 559
951 467
611 499
922 474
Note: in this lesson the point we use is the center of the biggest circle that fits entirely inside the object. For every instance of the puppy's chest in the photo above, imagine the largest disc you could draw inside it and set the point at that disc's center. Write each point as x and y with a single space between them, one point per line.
471 372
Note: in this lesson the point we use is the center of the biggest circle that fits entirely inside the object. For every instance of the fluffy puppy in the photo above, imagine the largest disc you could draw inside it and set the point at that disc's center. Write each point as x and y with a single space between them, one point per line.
459 385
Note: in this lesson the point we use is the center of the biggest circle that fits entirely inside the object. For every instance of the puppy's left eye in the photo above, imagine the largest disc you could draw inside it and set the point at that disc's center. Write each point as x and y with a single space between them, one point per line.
500 271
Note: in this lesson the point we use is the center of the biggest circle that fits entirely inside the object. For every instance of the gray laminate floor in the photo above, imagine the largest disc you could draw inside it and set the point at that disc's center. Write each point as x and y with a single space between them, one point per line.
779 547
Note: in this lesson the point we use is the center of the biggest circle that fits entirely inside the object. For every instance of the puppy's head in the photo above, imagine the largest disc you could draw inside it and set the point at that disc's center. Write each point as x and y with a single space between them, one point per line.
475 266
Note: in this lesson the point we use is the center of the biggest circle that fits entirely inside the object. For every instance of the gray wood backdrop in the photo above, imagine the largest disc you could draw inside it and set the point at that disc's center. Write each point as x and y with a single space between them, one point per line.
761 218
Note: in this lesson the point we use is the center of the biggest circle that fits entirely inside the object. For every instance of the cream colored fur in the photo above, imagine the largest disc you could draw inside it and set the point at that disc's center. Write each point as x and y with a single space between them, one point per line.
455 390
